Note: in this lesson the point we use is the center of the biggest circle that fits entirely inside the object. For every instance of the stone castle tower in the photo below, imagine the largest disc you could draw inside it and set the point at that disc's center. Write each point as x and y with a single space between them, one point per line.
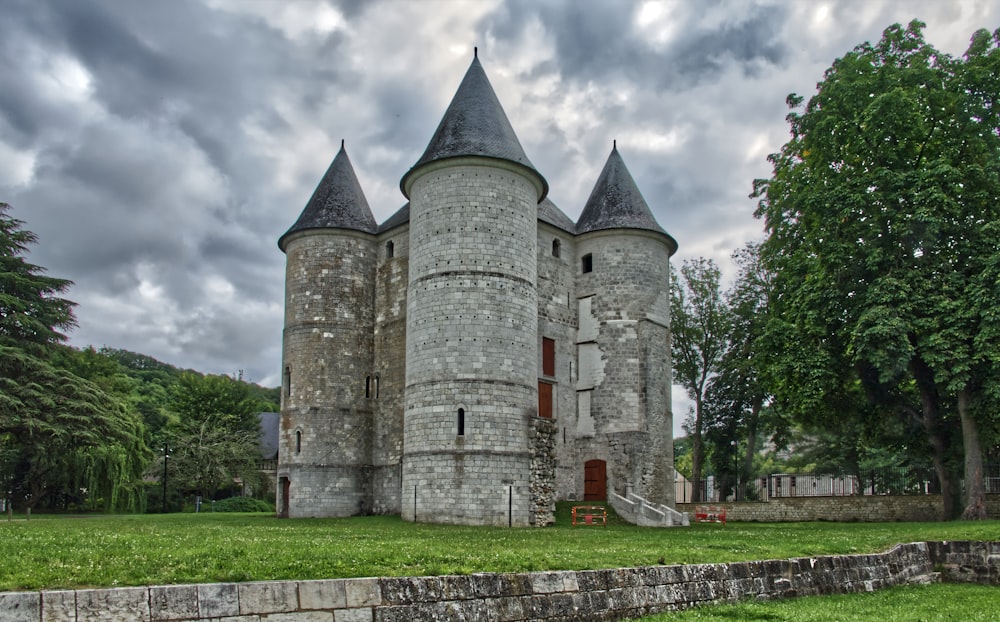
477 356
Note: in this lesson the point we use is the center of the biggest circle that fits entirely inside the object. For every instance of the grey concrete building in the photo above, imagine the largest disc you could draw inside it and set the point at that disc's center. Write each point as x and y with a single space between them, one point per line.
478 355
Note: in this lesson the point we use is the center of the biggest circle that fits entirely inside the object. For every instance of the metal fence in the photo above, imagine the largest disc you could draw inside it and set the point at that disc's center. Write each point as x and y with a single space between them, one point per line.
885 481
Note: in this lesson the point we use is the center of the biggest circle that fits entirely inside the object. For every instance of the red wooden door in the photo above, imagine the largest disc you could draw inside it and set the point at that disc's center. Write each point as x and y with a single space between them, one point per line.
545 400
595 481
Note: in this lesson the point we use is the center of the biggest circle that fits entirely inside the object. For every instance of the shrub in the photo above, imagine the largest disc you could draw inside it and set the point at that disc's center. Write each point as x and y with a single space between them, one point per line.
239 504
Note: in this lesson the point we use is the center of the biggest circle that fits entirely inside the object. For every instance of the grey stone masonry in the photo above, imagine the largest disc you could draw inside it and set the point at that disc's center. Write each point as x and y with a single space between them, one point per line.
564 596
471 326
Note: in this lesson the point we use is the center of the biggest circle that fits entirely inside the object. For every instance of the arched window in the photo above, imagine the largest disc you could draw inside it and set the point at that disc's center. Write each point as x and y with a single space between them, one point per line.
390 249
376 387
288 382
588 263
556 244
461 422
298 441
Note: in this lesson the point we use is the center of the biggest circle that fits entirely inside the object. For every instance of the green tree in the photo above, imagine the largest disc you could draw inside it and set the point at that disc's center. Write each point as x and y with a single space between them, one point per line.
59 434
883 221
214 436
699 328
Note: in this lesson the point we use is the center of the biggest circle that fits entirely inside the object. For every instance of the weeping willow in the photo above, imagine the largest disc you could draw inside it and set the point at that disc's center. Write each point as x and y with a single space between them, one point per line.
68 436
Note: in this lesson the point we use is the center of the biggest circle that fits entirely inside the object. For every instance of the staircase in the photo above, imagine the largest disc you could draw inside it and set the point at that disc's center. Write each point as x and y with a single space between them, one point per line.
638 511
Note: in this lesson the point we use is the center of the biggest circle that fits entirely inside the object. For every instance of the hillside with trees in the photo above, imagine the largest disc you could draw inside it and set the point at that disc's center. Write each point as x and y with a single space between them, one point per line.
81 429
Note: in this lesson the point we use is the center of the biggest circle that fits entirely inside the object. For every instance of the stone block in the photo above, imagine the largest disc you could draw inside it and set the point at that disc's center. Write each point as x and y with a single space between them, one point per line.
268 597
324 594
217 600
364 614
20 606
363 592
302 616
173 602
125 604
550 582
59 606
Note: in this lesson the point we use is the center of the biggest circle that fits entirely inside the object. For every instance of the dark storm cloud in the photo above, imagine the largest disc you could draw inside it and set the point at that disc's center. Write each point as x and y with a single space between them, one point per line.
160 148
598 40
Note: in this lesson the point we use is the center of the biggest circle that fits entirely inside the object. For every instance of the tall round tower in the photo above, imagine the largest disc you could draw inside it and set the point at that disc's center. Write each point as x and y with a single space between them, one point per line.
471 337
327 355
623 387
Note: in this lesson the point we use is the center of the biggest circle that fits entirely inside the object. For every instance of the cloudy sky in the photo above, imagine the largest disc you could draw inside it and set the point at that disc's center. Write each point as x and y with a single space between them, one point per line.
159 149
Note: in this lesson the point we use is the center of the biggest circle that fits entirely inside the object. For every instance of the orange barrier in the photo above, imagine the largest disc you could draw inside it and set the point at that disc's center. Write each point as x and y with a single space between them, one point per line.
710 514
590 515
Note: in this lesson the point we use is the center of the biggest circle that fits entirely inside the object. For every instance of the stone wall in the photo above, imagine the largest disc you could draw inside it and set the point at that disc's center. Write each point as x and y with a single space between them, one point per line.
579 596
864 509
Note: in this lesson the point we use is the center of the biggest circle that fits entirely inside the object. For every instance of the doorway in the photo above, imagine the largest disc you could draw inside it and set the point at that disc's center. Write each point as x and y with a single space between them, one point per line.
595 481
286 486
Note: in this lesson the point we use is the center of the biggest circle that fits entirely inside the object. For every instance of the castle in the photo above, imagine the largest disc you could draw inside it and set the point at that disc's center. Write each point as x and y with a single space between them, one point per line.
478 355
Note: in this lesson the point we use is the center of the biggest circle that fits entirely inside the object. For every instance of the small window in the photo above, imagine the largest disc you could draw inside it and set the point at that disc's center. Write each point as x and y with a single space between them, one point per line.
461 422
588 263
298 441
390 249
556 247
376 387
368 387
288 382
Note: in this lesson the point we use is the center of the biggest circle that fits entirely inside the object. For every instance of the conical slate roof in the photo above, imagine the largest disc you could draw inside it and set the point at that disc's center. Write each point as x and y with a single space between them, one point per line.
616 203
337 203
475 124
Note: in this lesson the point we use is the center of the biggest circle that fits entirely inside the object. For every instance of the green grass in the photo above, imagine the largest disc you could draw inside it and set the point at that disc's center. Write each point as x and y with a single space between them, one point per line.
63 552
924 603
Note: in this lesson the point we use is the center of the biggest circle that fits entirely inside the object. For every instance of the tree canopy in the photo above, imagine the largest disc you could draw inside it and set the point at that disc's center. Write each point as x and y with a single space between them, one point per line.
883 223
59 433
700 324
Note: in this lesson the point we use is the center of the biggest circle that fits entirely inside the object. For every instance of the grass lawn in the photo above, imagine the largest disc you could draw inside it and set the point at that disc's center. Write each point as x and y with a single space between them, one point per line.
68 552
912 603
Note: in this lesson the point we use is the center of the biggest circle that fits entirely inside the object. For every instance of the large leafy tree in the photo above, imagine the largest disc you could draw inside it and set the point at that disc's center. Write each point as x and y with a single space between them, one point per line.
214 433
60 435
737 398
883 221
699 325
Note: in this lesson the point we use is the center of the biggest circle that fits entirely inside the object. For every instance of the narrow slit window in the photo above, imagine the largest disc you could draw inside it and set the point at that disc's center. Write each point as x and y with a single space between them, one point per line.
298 441
461 422
390 249
288 382
376 387
368 387
556 248
588 263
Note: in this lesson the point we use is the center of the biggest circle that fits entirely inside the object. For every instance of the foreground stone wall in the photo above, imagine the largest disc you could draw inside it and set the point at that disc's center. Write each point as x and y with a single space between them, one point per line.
863 509
598 595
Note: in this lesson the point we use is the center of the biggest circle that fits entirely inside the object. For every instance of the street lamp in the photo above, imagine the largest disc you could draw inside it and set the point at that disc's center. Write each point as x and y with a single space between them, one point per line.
736 469
166 456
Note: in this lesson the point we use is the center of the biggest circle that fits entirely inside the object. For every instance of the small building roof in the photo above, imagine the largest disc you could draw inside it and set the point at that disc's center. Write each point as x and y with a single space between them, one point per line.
616 203
269 426
549 213
401 217
337 203
475 124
